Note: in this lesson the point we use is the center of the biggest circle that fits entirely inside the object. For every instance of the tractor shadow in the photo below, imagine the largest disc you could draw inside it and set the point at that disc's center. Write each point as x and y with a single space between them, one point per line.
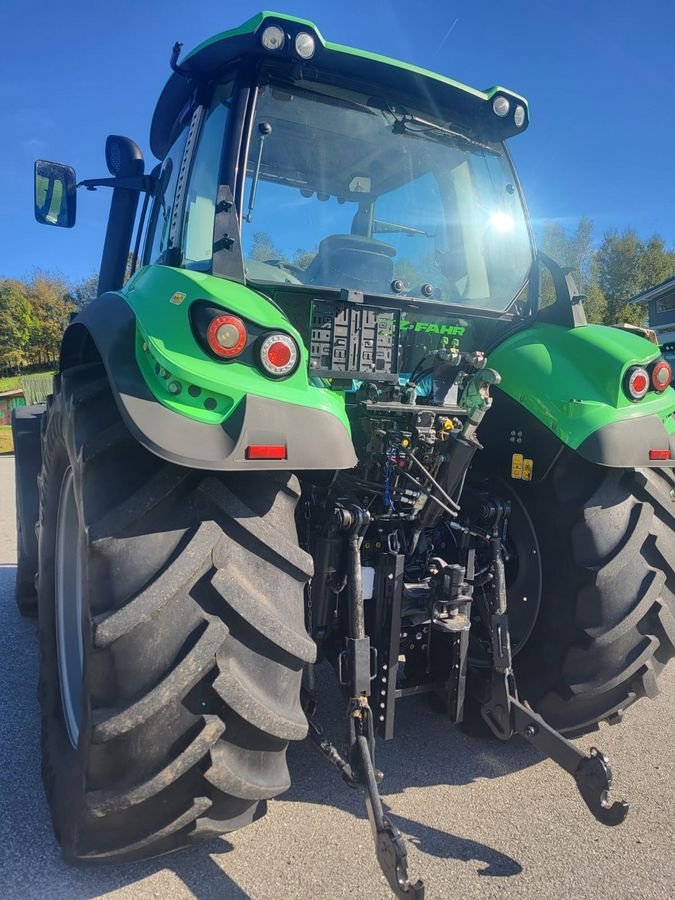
427 751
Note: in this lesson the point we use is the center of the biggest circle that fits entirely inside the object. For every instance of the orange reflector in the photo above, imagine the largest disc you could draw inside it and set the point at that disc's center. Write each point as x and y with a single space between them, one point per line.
266 451
659 454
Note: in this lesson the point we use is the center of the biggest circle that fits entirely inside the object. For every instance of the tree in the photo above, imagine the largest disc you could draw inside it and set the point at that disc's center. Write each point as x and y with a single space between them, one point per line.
83 292
263 247
303 258
626 266
16 324
574 252
49 295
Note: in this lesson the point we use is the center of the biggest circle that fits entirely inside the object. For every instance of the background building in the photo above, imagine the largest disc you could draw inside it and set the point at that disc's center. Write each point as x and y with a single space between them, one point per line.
661 306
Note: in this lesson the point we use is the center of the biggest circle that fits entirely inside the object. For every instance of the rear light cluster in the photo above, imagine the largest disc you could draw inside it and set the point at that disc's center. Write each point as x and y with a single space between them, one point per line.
228 337
278 354
639 381
662 375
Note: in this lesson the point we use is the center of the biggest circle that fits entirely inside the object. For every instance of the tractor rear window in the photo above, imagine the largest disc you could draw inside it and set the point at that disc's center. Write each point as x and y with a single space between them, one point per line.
343 191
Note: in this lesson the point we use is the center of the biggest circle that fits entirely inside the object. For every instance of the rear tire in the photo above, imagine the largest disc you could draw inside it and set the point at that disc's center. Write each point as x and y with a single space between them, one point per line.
193 638
607 622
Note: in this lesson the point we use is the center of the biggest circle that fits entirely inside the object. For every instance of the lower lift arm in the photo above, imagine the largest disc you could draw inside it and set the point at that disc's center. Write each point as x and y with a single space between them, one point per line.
506 715
356 674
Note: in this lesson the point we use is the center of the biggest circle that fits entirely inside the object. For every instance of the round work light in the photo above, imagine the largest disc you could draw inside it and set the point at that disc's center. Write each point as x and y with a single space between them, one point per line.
304 45
501 107
273 38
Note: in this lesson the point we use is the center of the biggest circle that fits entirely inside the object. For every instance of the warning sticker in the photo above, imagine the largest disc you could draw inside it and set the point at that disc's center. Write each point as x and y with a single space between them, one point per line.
517 465
521 467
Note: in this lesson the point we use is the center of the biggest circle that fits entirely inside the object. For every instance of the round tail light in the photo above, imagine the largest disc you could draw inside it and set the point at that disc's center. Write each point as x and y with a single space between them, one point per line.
278 355
662 375
226 336
637 382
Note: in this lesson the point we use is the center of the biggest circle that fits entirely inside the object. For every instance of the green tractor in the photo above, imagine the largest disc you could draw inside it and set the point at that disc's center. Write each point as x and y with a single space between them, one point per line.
327 418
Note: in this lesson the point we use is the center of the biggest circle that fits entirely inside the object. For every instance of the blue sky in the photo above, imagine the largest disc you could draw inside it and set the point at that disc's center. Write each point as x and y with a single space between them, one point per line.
599 77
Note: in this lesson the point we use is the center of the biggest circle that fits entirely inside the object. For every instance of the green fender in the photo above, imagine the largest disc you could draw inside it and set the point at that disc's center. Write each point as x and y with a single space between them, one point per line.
571 381
192 409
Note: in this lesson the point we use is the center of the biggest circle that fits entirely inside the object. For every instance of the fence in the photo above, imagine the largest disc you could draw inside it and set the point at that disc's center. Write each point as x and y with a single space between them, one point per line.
36 388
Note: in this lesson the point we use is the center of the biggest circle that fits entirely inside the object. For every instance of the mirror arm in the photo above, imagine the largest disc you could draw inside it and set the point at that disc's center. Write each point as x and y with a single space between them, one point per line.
568 308
141 183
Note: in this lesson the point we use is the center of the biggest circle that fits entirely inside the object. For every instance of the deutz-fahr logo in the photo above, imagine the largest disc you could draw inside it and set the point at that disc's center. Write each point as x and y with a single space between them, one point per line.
431 327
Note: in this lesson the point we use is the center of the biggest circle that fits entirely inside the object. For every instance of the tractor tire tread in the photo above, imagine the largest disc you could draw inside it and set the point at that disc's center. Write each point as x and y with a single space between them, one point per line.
607 626
193 687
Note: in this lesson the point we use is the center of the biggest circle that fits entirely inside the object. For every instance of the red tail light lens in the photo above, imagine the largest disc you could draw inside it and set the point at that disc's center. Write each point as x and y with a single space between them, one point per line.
659 454
266 451
662 375
279 355
637 382
226 336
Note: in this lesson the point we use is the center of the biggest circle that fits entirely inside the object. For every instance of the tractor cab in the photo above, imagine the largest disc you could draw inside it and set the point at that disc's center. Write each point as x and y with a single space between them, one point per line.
343 186
310 174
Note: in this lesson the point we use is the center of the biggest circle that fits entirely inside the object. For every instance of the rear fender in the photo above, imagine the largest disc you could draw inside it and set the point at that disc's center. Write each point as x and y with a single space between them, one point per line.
314 438
570 381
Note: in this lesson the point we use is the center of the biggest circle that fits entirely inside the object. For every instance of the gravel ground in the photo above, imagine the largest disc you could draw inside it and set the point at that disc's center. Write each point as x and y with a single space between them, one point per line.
483 819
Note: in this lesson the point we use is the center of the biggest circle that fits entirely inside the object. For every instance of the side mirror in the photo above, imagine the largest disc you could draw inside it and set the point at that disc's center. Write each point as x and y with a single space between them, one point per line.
55 194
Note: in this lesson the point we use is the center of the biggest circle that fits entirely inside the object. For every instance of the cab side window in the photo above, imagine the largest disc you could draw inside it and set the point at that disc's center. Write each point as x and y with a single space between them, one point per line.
200 199
157 240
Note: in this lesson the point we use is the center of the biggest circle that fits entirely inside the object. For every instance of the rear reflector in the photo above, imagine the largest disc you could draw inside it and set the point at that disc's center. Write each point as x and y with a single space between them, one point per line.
637 382
266 451
659 454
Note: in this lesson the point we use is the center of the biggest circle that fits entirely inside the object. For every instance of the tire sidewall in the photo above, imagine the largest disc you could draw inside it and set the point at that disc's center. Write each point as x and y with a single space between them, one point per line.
64 767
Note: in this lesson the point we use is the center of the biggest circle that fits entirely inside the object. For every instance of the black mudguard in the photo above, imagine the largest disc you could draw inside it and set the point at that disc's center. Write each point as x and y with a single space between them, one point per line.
510 429
26 422
315 440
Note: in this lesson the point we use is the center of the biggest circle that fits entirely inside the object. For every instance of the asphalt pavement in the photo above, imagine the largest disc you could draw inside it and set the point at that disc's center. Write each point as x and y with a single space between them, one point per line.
482 819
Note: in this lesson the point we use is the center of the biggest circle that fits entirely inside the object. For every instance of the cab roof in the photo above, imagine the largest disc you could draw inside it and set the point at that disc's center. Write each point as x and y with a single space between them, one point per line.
422 88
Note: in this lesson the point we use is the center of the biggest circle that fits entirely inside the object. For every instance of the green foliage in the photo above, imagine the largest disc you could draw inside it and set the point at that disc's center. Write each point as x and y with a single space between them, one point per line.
11 383
303 258
628 265
16 324
6 443
83 292
622 266
263 247
33 316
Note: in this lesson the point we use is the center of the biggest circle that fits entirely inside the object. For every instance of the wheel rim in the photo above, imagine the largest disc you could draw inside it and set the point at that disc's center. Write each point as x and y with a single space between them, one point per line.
69 606
523 583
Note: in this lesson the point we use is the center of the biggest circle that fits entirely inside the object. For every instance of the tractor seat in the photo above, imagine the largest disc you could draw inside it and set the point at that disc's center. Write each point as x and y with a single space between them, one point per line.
354 262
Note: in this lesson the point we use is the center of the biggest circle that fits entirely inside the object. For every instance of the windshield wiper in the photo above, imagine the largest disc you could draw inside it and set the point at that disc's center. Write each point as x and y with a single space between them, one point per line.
414 125
382 227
